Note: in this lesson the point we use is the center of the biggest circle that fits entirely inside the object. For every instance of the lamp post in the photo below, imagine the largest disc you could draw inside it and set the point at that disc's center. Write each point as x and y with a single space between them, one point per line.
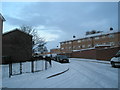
92 42
72 44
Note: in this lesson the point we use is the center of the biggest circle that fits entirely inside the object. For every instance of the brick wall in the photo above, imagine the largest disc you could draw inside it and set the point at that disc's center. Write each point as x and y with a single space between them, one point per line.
99 54
17 45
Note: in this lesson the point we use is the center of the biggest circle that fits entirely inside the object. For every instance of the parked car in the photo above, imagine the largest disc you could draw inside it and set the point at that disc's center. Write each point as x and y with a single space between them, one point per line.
62 59
115 61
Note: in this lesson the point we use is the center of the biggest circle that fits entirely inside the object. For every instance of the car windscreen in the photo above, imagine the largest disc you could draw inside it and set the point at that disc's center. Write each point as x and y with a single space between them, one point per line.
63 57
118 54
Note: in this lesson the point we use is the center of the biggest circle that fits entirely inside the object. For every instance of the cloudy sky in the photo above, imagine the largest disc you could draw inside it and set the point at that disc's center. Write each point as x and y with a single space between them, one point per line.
59 21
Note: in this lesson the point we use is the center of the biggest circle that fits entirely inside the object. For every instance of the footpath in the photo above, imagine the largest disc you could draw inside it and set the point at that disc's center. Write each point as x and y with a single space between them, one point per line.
91 60
26 78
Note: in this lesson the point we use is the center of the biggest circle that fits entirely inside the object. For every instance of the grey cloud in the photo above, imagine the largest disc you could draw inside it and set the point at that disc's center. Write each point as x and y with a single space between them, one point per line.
73 18
69 16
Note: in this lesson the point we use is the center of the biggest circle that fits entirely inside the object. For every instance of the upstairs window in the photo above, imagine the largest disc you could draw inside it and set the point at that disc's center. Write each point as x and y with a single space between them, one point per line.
111 36
69 47
96 38
79 41
70 42
83 46
103 37
83 40
89 45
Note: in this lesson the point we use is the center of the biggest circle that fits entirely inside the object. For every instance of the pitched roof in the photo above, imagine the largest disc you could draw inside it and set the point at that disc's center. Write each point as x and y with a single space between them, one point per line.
2 17
14 30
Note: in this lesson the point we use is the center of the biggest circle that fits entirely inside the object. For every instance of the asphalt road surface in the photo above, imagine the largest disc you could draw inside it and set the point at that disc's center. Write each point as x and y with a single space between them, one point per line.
87 74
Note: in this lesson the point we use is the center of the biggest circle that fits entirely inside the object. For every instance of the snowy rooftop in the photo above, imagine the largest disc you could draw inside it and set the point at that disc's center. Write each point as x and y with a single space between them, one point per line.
2 17
94 35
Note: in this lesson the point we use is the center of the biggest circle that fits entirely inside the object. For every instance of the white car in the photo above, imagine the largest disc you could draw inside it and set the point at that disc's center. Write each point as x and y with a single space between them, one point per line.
115 61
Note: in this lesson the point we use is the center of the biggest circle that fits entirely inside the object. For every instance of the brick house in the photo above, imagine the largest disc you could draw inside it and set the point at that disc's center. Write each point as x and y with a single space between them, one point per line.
16 46
100 46
55 51
2 19
111 39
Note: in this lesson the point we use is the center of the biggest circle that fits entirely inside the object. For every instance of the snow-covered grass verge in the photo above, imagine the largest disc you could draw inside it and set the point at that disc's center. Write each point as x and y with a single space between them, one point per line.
26 67
17 80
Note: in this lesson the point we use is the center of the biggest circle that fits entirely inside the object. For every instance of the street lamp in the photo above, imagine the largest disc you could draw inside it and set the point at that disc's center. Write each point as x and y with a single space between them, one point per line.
72 42
74 36
72 45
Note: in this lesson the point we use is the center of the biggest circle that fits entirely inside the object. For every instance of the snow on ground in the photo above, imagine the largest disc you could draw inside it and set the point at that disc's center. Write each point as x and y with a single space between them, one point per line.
83 73
17 80
92 60
26 67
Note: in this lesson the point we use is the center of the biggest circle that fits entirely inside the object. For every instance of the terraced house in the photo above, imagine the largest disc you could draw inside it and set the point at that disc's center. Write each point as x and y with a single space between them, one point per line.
110 39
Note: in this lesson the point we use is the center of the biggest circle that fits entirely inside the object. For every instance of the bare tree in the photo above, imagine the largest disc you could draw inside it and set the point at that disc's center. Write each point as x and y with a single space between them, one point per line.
37 41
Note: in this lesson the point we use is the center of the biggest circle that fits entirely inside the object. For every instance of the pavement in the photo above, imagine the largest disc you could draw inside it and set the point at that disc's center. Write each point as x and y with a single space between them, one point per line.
92 60
56 69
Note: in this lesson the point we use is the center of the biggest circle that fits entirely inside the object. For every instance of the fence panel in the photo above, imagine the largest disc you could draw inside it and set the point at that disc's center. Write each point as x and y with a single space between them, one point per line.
40 65
15 68
5 71
26 67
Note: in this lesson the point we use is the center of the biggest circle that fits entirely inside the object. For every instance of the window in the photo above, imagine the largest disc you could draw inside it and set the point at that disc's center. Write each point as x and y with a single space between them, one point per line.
74 47
89 45
89 39
69 47
97 44
103 36
83 46
79 46
111 36
83 40
108 43
61 43
79 41
96 38
70 42
112 43
66 43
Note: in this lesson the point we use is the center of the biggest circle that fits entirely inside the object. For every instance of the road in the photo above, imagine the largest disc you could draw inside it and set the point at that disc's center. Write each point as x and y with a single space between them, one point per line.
86 74
82 73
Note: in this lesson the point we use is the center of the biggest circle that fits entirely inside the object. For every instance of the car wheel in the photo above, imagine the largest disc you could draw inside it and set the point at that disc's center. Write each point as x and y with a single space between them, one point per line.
113 64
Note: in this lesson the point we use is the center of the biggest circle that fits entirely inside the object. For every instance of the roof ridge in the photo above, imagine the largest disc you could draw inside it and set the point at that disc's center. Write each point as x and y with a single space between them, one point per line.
16 29
2 17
